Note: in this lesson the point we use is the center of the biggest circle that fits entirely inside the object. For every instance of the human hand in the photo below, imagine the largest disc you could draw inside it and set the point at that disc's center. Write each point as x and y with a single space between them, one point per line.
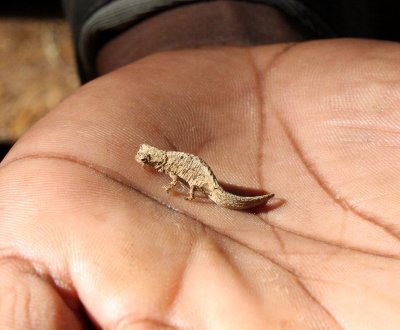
86 231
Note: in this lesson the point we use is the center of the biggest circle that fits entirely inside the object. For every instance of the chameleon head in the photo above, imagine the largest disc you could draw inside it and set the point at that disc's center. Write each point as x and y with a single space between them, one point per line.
148 155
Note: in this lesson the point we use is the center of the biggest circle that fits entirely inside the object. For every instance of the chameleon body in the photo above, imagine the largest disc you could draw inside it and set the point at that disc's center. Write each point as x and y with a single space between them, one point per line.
195 173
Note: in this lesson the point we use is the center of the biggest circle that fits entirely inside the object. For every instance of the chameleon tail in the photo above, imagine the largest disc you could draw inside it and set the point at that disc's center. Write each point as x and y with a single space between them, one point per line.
231 201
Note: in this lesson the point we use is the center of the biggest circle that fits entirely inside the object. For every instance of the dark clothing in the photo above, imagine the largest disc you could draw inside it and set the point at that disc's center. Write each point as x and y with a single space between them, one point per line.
96 21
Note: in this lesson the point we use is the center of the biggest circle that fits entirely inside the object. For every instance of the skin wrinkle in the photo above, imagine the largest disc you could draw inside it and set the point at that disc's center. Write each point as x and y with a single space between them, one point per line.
331 243
130 320
202 146
29 307
338 284
161 132
260 88
107 172
365 127
233 265
259 91
173 299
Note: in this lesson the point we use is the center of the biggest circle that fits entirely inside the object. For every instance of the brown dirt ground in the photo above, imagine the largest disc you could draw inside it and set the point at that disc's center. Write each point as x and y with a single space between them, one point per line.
37 71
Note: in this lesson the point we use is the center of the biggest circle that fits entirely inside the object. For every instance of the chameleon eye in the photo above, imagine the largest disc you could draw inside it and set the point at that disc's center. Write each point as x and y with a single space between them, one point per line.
145 159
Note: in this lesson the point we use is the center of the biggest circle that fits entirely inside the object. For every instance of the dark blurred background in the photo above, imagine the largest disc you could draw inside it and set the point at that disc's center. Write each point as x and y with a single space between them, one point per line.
38 8
377 19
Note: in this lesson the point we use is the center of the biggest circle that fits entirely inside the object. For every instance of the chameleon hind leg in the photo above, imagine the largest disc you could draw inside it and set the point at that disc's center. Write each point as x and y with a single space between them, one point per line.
191 193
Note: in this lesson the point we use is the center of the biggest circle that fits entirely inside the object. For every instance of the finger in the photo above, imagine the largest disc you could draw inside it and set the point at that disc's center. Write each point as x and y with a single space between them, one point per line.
28 301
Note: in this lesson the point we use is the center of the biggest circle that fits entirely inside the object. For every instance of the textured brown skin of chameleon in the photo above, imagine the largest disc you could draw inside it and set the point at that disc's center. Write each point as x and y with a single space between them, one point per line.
194 172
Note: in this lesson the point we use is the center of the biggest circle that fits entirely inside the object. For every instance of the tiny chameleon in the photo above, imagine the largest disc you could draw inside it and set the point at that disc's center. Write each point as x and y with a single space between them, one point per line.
195 173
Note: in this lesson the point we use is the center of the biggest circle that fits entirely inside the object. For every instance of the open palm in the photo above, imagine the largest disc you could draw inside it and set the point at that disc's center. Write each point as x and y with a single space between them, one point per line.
87 236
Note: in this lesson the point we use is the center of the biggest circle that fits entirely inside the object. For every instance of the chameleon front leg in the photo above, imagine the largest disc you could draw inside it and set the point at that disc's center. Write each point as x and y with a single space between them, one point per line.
173 183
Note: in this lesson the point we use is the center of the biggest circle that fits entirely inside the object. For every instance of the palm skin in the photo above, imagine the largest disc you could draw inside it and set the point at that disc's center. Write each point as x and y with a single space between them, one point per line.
84 227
